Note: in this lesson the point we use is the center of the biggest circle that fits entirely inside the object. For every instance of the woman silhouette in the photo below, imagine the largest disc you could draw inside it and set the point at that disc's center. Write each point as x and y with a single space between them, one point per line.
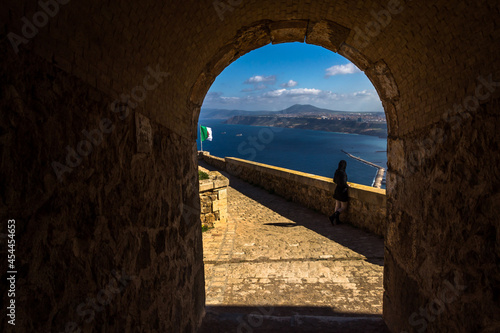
341 194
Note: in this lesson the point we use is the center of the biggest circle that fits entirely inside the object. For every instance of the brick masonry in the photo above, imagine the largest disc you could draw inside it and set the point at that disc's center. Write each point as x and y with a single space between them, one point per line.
213 199
117 215
442 195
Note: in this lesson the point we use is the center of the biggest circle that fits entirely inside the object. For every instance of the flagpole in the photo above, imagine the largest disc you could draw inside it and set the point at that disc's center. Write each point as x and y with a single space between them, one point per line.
201 141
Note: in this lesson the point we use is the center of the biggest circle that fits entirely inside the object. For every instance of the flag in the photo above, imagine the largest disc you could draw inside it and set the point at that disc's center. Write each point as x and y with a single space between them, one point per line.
205 133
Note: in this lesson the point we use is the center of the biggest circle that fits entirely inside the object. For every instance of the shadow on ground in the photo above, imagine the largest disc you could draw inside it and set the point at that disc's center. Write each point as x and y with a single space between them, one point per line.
288 319
369 245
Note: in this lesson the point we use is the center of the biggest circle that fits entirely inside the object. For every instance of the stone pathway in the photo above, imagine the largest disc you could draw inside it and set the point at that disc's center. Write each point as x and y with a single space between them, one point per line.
287 260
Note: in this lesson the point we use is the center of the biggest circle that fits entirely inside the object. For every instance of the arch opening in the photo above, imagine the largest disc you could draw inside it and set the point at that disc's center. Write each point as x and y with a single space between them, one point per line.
324 34
327 34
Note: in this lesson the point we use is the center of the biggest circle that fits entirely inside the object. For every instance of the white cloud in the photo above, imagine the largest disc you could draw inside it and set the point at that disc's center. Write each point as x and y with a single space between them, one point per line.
271 79
341 70
292 92
217 98
363 93
278 99
289 84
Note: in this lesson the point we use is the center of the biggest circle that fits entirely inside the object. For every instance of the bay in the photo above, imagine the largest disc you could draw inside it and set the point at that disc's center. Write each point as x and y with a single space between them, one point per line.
315 152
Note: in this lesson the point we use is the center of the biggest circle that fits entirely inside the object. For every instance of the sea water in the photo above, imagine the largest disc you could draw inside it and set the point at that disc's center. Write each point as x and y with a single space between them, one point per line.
315 152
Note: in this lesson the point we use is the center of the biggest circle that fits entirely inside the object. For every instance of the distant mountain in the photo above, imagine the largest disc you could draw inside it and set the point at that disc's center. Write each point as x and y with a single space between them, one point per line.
307 109
294 110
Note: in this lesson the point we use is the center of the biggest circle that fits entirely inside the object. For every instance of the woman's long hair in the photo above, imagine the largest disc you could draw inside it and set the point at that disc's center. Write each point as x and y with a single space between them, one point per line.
342 165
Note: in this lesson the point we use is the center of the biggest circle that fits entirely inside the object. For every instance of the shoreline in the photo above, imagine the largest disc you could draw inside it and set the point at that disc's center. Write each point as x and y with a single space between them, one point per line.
309 127
377 181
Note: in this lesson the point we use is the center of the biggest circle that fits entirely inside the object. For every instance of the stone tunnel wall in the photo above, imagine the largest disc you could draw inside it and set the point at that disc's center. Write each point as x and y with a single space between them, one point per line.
424 59
367 205
441 269
115 230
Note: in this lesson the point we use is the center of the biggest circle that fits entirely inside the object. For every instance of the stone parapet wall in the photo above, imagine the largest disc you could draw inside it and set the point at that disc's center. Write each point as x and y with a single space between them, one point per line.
217 162
367 207
213 199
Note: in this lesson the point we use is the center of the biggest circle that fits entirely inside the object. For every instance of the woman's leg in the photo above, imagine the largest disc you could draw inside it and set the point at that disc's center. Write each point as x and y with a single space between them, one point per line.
343 206
334 215
338 205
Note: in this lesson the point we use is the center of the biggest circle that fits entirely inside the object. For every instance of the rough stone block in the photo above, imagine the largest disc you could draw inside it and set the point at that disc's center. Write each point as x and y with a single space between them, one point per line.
205 209
221 182
222 194
215 205
210 218
206 185
223 214
222 204
288 31
327 34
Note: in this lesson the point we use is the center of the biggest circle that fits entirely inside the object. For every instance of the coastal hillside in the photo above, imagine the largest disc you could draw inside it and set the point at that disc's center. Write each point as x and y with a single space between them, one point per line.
296 110
340 124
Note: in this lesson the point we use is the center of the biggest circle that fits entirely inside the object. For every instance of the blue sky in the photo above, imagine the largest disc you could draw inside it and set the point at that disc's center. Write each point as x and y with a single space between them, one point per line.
275 77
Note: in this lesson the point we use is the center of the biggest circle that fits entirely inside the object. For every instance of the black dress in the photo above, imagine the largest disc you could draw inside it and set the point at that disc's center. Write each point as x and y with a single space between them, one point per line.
341 192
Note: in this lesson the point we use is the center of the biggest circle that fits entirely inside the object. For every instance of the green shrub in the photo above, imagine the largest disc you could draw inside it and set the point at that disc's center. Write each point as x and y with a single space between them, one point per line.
202 175
205 228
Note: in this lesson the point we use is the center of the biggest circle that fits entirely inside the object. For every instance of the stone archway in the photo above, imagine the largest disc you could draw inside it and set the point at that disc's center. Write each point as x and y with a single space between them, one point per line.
327 34
398 310
432 63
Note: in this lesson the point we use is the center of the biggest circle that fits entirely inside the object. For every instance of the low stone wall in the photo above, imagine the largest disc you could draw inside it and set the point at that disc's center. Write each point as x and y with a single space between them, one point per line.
216 162
213 198
367 205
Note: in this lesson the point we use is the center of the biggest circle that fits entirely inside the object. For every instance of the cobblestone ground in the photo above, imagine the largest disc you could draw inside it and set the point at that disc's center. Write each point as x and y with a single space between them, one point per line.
272 252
